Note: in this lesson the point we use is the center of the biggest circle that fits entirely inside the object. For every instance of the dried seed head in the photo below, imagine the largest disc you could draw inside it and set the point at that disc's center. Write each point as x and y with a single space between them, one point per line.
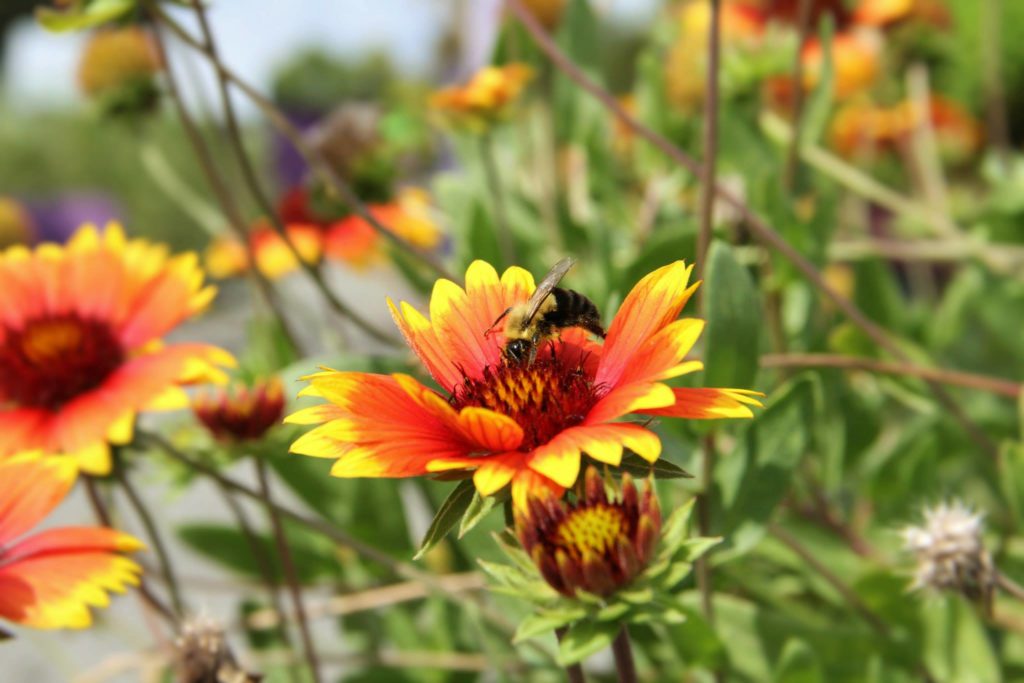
950 552
202 655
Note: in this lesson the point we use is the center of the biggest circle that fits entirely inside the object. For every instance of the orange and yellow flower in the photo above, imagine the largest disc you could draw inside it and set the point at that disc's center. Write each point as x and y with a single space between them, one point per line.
80 342
354 241
524 424
866 128
244 413
227 257
50 579
486 97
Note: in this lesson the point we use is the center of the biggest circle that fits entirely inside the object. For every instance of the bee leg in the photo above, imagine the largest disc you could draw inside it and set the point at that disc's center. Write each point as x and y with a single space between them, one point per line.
490 330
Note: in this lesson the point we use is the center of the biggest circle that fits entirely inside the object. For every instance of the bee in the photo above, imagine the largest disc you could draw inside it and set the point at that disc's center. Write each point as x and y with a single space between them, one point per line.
549 309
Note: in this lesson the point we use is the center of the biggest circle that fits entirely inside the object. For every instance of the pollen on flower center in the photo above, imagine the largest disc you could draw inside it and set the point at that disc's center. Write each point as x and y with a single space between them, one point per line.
52 359
544 397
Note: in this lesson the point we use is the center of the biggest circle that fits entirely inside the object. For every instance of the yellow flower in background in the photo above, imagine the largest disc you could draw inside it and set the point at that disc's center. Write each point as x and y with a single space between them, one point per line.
116 57
15 223
487 95
412 219
521 424
50 579
81 342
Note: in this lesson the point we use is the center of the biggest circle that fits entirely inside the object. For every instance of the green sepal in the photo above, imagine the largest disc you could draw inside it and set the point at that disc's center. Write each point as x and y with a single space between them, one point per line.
83 15
478 508
547 620
451 511
660 468
584 639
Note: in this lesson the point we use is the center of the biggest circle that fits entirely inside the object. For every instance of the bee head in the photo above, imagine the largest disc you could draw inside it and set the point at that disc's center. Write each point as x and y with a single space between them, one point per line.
519 350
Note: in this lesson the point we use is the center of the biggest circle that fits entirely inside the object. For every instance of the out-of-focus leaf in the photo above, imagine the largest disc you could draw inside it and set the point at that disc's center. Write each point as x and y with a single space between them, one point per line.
448 515
547 620
753 479
314 557
819 106
798 664
476 511
734 321
957 649
584 639
84 15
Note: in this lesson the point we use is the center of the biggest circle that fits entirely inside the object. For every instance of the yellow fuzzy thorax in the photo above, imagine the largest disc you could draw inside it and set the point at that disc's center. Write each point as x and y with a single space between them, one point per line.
518 327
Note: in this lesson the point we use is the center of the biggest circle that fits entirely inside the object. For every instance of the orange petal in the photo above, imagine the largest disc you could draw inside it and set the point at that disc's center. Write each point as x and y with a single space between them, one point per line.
661 355
31 485
630 398
708 404
528 483
653 303
55 591
420 336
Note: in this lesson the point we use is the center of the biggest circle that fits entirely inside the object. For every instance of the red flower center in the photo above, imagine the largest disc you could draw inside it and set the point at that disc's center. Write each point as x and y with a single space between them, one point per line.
544 397
53 359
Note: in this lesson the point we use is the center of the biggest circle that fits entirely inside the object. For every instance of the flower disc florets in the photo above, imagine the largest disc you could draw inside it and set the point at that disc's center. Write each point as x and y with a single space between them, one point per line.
596 544
543 397
54 358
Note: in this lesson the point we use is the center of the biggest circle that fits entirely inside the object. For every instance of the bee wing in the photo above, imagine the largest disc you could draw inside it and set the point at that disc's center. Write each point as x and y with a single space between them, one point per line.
549 282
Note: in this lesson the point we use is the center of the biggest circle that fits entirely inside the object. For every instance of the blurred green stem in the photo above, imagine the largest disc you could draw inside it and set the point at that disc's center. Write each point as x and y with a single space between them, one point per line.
170 182
218 185
493 178
343 538
163 557
288 565
265 564
710 143
313 157
147 596
266 206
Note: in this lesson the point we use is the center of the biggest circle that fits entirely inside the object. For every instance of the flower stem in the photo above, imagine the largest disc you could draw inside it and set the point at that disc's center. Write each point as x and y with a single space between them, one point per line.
710 144
163 557
103 515
265 565
623 653
288 564
573 672
505 240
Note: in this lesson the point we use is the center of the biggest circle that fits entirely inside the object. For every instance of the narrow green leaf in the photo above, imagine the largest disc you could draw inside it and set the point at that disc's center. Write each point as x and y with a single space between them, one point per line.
673 531
636 596
544 621
734 321
613 612
585 639
798 664
476 511
88 15
660 468
450 512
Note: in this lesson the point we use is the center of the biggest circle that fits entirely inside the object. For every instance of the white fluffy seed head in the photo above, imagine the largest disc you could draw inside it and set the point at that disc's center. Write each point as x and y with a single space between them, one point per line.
950 551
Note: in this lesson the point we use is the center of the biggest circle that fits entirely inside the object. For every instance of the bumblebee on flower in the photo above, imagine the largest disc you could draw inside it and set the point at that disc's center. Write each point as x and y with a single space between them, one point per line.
520 425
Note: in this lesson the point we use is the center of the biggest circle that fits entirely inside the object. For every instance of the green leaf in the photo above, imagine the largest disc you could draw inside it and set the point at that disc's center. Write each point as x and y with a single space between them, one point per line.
478 508
754 478
695 547
819 106
798 664
584 639
957 648
734 321
613 612
673 531
86 15
636 596
450 512
314 557
660 468
546 620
